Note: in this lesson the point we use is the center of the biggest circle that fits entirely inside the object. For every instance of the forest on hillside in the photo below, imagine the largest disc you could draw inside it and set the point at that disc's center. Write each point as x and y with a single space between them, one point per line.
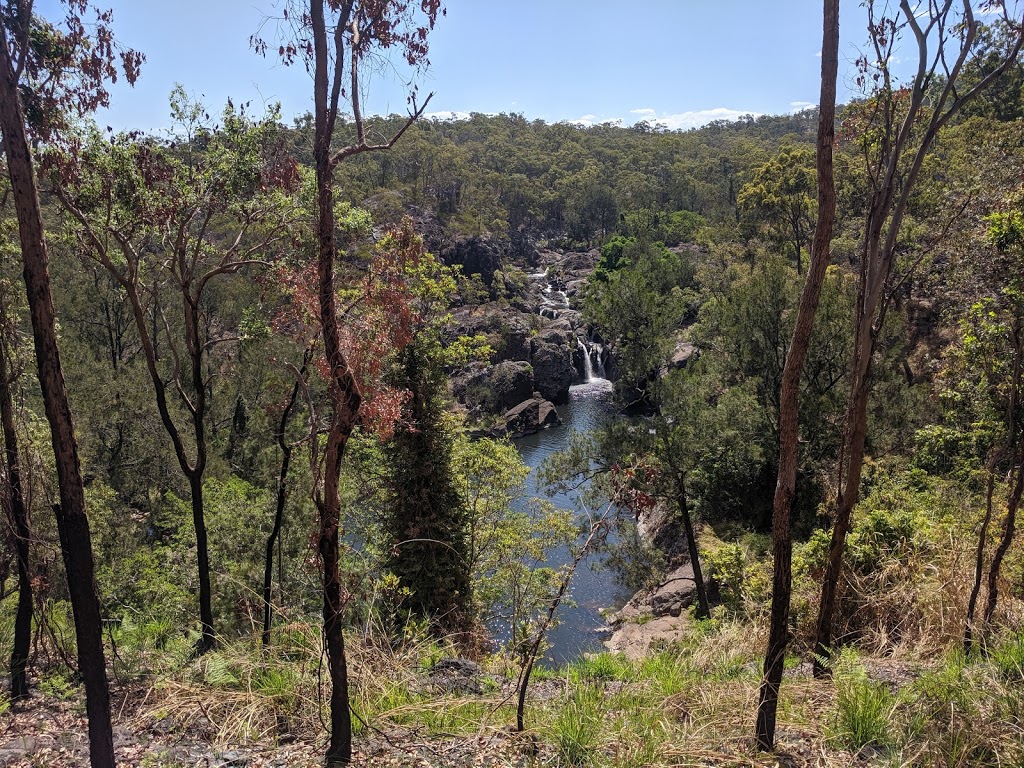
262 383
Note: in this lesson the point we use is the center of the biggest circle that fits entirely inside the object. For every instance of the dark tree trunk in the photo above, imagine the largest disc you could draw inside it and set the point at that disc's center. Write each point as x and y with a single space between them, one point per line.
72 523
19 523
703 608
1015 449
979 562
1009 528
785 489
208 639
344 391
282 497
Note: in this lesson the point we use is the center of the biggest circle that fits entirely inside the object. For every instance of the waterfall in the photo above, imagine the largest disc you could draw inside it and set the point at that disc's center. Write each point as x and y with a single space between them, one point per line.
588 368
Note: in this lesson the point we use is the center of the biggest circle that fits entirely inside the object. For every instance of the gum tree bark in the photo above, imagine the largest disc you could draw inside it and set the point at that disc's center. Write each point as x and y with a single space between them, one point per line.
72 523
782 540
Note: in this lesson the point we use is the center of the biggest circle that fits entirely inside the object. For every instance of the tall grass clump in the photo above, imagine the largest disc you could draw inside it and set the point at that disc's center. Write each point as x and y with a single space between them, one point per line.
864 709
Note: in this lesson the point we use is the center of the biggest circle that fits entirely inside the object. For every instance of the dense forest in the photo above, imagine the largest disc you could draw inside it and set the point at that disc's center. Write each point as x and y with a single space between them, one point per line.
262 382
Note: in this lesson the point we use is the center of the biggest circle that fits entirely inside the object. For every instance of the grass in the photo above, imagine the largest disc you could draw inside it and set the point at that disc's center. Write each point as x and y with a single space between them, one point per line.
864 708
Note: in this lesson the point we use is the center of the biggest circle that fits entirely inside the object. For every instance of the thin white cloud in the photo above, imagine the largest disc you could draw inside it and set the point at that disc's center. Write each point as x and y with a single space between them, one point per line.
451 115
645 112
683 121
800 106
588 120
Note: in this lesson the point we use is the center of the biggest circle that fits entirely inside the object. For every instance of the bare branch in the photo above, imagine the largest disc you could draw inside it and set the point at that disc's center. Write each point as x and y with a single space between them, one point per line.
361 147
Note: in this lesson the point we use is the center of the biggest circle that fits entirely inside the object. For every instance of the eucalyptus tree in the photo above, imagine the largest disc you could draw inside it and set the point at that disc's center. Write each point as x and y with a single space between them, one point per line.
779 199
326 36
894 129
168 222
59 71
789 398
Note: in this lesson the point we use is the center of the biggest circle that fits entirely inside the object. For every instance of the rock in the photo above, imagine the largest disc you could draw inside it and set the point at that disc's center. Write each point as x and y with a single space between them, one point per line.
683 353
477 256
531 416
661 527
553 368
677 592
457 676
232 759
635 640
494 389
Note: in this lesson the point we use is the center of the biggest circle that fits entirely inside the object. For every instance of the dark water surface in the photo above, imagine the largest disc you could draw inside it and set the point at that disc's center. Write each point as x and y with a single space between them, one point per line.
591 589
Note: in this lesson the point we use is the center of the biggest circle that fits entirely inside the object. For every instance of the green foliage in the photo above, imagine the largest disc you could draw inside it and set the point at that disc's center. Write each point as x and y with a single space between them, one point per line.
864 708
639 307
508 543
779 200
1008 658
578 727
600 667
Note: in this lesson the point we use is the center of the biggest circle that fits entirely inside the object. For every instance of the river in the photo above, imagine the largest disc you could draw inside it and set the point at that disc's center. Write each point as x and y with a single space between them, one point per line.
591 589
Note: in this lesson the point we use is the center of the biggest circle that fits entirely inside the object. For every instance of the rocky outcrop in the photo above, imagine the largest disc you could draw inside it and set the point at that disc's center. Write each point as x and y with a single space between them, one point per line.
677 592
655 615
494 389
554 369
547 335
477 256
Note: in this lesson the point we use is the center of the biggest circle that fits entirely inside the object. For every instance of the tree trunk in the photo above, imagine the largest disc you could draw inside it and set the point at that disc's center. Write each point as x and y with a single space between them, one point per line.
703 609
1009 527
72 523
282 497
344 391
1015 449
854 442
208 639
979 562
19 524
785 489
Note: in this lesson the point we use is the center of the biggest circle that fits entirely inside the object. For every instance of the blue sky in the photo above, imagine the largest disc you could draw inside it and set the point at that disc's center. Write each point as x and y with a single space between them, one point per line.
679 62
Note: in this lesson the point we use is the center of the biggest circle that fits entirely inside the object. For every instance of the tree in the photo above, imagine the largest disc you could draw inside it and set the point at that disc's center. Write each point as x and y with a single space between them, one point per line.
327 34
14 498
286 448
895 128
637 301
168 224
427 518
57 72
779 198
789 406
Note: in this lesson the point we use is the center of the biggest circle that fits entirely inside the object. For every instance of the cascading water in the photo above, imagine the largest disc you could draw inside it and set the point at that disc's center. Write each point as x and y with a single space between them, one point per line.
588 365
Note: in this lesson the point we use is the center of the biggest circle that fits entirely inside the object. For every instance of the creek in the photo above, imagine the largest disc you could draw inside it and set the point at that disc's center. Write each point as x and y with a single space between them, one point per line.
593 588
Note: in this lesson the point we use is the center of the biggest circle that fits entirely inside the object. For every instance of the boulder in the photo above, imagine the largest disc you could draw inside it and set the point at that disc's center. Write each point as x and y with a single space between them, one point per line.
553 368
531 416
682 354
677 592
460 677
494 389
